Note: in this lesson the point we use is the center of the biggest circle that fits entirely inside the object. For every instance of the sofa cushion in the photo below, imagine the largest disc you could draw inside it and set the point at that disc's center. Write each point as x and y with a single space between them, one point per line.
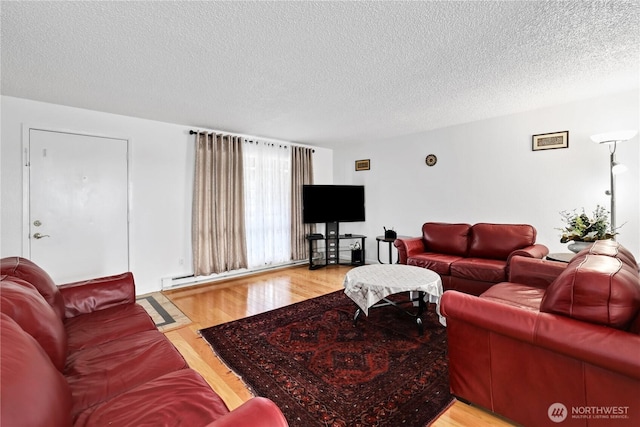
29 272
440 263
99 373
24 304
446 238
516 294
33 392
91 295
595 288
497 241
483 270
106 325
180 398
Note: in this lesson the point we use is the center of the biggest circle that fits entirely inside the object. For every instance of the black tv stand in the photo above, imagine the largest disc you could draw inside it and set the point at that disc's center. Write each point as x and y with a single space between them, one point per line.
332 240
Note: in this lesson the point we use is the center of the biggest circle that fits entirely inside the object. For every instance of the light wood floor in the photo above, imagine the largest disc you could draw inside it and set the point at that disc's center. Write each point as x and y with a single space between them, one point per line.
224 301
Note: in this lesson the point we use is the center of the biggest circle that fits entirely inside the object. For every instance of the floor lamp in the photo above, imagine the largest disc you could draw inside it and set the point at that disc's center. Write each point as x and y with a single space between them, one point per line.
611 139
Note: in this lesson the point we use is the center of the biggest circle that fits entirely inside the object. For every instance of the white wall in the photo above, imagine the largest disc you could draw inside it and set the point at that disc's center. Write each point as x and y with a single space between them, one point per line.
162 176
487 172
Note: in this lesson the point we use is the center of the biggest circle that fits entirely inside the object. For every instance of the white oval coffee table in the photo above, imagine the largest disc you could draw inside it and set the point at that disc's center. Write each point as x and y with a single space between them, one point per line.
370 285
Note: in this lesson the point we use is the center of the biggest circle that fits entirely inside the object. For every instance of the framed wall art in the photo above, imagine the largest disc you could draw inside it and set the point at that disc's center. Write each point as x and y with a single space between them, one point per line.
363 165
549 141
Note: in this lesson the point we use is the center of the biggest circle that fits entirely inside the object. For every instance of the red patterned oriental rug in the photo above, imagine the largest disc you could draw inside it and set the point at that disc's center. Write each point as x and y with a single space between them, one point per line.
321 370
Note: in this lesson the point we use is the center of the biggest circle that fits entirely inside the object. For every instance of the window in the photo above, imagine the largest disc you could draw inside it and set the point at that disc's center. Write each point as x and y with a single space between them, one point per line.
267 198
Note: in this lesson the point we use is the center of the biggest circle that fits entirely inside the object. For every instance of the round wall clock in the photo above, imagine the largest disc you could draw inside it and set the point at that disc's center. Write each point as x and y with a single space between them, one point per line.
431 160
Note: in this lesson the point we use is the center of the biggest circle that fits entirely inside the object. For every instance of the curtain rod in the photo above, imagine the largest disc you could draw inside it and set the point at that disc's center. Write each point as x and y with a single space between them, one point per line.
194 132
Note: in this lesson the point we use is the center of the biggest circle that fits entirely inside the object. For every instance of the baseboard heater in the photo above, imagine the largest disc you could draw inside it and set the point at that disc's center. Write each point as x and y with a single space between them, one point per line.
191 280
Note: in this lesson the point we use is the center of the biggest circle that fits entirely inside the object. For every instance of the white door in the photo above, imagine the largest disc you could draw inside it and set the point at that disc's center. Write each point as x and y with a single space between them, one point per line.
78 205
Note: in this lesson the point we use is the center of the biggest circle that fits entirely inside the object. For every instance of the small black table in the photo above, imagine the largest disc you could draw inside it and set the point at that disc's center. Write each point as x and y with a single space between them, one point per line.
390 241
561 256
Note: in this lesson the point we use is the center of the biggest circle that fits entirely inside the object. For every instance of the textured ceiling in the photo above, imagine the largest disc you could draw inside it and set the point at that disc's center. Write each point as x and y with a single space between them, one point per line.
322 73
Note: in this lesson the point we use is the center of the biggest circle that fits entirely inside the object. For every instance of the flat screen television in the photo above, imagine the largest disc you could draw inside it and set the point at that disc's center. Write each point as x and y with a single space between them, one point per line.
332 203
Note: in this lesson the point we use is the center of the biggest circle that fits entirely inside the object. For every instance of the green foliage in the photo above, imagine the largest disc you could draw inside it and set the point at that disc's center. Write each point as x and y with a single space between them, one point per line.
580 228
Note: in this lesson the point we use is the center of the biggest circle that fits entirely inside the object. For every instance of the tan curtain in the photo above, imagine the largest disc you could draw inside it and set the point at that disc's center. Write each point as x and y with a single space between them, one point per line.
301 174
218 230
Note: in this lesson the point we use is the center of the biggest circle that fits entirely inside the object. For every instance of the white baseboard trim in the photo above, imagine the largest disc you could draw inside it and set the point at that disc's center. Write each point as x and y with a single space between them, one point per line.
169 283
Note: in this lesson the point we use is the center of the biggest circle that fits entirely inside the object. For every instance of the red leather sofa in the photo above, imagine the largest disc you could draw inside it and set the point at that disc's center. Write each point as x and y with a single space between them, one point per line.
85 354
557 345
469 258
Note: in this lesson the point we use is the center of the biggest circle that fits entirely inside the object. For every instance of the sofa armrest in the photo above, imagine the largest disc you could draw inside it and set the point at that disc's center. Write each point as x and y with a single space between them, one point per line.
97 294
534 251
534 272
408 247
548 331
257 412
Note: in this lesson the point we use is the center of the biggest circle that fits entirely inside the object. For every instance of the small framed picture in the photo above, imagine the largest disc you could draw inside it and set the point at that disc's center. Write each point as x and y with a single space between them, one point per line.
549 141
363 165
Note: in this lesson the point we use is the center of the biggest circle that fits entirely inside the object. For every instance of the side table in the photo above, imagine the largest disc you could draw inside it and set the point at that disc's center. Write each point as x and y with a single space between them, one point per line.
390 241
561 256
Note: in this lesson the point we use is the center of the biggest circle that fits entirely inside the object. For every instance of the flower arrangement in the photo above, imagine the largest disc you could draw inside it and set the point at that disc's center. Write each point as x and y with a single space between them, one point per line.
581 228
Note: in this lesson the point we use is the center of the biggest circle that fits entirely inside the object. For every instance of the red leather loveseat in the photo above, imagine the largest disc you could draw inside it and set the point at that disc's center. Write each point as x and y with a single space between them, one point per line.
469 258
85 354
557 345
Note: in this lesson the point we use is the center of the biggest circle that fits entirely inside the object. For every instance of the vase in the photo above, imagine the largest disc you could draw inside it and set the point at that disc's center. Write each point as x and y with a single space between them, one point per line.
576 247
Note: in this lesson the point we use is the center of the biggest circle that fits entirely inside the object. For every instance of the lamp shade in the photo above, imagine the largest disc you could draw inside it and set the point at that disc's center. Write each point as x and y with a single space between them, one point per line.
618 168
611 137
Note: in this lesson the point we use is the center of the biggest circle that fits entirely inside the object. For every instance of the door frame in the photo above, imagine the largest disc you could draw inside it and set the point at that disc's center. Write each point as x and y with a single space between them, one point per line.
26 184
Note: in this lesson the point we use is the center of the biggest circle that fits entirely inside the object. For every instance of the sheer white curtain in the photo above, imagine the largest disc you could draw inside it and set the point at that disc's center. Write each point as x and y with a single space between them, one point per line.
267 200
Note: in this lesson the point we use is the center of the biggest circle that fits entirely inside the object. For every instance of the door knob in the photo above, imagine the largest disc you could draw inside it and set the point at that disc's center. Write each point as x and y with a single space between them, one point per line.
40 236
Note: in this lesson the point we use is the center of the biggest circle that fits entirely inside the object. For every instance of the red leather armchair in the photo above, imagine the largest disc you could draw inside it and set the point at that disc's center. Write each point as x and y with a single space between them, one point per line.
85 354
556 345
470 258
